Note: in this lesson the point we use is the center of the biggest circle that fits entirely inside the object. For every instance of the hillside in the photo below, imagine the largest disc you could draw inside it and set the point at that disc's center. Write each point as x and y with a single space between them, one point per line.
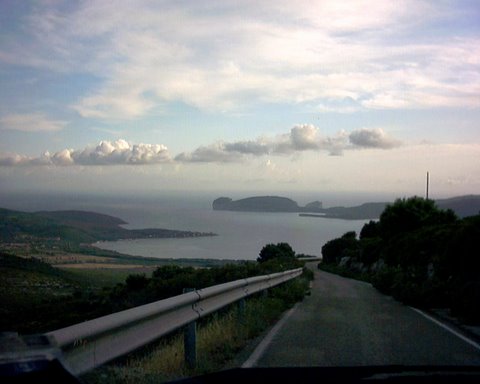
359 212
463 206
74 227
36 297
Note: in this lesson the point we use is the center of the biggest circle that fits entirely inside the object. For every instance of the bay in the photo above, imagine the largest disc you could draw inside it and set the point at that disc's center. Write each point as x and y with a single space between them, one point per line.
240 235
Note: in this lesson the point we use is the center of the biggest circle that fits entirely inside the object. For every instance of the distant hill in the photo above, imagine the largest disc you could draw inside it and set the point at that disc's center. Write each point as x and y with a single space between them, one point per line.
462 205
359 212
74 227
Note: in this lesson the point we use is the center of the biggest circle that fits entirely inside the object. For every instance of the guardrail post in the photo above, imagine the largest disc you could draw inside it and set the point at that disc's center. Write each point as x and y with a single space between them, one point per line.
190 340
241 310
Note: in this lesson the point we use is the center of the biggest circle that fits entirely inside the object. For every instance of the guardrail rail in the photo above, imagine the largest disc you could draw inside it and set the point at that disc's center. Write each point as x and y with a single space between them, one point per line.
92 343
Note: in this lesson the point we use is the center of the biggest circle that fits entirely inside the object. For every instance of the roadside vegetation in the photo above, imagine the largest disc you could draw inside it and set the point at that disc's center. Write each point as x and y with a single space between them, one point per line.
36 297
418 253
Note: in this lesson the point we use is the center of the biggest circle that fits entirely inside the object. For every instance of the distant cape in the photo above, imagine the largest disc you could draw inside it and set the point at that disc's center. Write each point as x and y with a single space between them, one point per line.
462 205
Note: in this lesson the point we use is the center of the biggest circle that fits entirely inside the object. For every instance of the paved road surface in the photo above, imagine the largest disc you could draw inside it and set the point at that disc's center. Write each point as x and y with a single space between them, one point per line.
348 323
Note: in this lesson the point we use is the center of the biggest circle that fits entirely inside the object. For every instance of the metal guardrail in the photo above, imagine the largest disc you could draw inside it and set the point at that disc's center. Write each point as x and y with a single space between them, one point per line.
307 259
92 343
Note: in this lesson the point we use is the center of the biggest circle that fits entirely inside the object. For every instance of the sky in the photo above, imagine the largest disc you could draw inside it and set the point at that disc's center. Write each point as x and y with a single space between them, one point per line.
320 96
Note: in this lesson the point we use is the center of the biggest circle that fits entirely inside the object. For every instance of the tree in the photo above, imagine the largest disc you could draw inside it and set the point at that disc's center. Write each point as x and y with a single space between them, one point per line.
136 282
335 249
408 215
370 230
167 272
281 251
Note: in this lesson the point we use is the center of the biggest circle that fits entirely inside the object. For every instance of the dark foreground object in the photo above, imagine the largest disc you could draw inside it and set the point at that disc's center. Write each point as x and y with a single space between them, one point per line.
31 359
300 375
36 359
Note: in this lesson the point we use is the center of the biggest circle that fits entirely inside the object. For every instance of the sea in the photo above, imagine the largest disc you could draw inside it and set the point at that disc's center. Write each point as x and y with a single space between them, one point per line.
239 235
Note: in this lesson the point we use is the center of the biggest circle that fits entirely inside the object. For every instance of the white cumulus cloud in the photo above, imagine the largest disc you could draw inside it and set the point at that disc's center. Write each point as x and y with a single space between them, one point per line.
372 138
304 137
118 152
301 138
121 152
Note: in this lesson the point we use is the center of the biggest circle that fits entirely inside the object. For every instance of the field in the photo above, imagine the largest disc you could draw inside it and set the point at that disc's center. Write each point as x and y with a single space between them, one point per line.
37 284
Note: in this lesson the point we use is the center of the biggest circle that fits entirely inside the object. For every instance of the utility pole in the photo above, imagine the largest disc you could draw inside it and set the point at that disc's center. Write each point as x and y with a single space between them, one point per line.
427 185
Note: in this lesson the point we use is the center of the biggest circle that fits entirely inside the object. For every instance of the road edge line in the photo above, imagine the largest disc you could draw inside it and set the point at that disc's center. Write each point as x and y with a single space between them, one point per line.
260 349
446 327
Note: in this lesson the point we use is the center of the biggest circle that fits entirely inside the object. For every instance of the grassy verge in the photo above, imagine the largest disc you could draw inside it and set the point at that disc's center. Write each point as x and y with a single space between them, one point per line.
219 338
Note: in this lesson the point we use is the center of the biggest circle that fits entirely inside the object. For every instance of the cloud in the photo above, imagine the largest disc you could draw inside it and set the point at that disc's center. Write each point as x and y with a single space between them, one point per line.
225 56
257 148
372 138
32 122
121 152
304 137
301 138
210 154
335 145
118 152
13 159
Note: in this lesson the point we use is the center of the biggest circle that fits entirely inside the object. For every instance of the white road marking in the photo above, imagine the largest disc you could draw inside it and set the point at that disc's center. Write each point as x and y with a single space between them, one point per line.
446 327
259 351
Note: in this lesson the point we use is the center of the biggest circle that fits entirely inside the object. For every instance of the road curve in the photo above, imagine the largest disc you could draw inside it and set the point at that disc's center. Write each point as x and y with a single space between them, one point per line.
345 322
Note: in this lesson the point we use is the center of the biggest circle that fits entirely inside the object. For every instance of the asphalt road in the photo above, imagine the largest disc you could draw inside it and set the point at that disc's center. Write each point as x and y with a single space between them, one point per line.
345 322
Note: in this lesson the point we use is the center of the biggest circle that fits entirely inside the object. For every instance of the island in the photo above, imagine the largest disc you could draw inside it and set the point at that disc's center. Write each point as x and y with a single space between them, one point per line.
256 204
463 206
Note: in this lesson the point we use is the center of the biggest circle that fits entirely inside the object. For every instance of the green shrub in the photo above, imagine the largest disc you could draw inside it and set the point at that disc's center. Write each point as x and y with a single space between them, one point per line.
385 279
335 249
276 251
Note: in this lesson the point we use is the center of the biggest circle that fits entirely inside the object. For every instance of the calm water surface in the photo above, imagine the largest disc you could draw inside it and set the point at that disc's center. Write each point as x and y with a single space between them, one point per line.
241 235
